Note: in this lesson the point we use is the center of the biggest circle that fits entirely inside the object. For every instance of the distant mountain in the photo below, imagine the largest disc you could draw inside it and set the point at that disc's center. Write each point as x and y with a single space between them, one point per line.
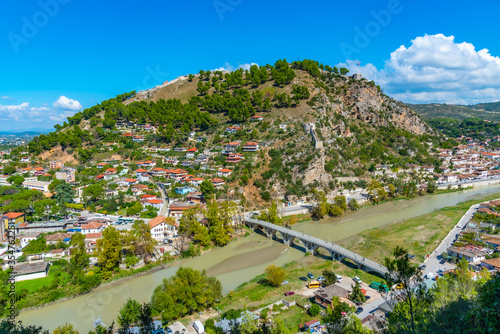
33 132
489 111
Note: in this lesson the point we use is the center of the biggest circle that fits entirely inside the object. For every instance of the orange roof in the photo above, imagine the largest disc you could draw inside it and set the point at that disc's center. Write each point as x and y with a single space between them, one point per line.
147 196
225 170
91 226
14 215
101 164
111 170
251 143
140 170
156 221
197 179
233 143
130 180
155 201
93 236
257 116
217 180
192 150
39 168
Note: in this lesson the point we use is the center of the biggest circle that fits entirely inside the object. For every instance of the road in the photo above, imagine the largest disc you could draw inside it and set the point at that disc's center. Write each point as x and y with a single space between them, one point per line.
432 262
164 208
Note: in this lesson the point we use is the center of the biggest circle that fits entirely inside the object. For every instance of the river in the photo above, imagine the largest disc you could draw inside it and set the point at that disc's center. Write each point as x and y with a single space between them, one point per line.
239 261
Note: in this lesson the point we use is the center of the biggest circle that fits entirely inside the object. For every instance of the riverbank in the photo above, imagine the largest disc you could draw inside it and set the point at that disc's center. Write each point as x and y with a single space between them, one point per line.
105 303
421 235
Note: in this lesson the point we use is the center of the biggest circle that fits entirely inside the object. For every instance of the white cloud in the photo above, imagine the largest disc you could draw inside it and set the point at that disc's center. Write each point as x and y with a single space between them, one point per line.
229 67
22 113
64 103
434 68
5 97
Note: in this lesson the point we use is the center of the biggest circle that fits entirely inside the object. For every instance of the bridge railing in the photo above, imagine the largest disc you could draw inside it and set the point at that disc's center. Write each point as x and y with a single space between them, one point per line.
325 244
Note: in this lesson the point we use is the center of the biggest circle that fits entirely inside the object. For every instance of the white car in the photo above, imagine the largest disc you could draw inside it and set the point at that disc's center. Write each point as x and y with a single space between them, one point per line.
339 278
284 282
357 280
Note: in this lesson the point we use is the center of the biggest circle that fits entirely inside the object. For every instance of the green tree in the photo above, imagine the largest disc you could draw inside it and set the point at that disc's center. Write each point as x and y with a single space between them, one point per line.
275 275
313 310
93 193
412 299
129 313
485 313
187 292
109 251
135 209
271 215
207 189
142 240
15 180
356 294
330 277
353 205
79 257
341 320
65 329
64 193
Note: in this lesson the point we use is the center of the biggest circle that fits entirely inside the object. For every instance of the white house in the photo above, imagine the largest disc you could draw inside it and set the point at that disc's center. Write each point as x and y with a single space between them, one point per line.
157 227
224 172
92 228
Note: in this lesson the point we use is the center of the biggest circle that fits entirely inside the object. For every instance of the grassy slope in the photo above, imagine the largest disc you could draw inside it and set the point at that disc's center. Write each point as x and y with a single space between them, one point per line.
420 235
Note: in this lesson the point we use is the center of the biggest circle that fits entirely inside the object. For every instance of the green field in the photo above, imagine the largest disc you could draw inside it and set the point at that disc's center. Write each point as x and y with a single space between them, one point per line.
39 283
420 235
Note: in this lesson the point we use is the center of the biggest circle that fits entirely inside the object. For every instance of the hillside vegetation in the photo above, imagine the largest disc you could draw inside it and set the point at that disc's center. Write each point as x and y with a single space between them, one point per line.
488 111
356 126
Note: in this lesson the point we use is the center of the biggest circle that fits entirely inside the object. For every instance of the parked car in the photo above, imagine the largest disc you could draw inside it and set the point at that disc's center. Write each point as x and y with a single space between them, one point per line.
357 280
399 286
339 278
303 278
442 262
440 272
359 310
423 266
321 279
289 293
311 276
284 282
412 257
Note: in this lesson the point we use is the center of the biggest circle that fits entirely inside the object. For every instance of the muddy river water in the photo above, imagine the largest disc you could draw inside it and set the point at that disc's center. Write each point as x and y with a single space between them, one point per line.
238 262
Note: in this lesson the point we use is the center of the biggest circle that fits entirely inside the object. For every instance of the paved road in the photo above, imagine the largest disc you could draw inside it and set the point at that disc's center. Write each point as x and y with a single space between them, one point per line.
432 262
164 208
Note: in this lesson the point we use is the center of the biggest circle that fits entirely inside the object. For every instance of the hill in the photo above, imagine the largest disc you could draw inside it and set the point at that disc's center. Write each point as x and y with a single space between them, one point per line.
318 124
485 111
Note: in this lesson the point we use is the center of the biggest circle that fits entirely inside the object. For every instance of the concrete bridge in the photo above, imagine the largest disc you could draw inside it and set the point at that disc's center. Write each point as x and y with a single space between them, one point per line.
312 244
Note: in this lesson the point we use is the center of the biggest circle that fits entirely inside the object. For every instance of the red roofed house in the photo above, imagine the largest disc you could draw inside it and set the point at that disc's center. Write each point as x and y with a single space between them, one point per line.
224 172
231 146
99 177
130 182
157 227
101 165
110 171
92 228
196 181
217 182
257 118
190 153
234 158
156 203
91 241
250 147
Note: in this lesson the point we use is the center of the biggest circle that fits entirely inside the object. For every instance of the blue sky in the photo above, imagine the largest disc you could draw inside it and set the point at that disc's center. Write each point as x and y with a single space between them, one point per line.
82 52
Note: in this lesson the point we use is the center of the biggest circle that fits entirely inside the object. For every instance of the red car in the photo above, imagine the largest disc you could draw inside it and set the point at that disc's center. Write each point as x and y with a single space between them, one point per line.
289 293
